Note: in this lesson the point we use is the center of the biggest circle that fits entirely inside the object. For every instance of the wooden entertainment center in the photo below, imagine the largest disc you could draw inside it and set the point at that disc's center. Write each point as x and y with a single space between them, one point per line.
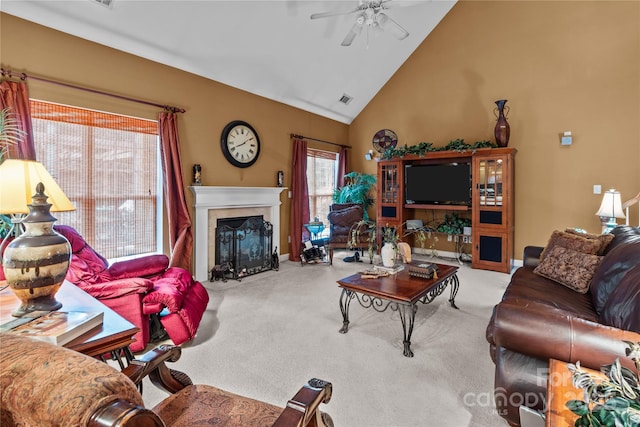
491 208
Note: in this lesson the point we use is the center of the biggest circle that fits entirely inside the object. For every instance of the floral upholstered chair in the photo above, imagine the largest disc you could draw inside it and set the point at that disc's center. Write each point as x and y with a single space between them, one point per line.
47 385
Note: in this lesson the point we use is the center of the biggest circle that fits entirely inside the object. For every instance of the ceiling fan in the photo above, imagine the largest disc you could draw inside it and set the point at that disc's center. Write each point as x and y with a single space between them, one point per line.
369 14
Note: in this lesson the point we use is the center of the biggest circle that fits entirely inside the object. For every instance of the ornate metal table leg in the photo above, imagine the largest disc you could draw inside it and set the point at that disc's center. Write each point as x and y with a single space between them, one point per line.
455 284
407 316
345 300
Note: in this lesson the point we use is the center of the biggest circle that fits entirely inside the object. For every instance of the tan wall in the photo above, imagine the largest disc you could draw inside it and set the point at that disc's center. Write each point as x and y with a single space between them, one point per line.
563 66
34 49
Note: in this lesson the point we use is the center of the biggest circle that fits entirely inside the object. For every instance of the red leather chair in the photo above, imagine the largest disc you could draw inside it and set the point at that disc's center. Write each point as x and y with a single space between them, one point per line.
137 288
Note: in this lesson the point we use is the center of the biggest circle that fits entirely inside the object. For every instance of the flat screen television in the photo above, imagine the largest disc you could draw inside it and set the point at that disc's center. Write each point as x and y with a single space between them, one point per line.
438 184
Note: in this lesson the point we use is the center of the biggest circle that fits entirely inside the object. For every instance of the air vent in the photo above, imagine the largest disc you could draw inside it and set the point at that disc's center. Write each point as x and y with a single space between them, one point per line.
345 99
105 3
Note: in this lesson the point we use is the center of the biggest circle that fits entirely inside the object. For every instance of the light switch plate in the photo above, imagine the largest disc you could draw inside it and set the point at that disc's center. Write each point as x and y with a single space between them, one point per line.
597 189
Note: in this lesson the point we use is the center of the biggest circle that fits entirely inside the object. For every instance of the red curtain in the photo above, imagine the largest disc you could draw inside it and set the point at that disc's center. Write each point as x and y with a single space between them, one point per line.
15 96
299 200
180 232
342 167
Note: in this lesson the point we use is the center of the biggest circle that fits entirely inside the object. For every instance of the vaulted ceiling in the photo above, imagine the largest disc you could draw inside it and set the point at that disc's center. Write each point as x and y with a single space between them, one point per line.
268 48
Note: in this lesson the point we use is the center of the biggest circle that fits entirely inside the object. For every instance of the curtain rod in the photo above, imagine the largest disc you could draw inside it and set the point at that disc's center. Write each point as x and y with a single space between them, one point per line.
293 135
24 76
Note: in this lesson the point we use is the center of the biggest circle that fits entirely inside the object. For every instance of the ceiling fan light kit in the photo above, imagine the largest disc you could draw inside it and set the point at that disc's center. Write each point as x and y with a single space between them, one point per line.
370 15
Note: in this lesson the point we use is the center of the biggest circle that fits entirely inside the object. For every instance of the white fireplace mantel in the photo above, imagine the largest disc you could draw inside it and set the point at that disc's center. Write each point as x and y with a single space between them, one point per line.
213 197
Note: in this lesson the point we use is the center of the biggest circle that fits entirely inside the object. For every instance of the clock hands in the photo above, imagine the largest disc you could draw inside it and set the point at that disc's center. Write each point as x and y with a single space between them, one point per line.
240 145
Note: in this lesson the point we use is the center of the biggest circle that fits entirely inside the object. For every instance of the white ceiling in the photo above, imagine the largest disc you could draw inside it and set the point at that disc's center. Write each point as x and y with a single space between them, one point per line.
268 48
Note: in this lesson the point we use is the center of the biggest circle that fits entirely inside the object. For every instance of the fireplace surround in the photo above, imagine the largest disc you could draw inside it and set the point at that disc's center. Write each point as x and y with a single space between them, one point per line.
213 202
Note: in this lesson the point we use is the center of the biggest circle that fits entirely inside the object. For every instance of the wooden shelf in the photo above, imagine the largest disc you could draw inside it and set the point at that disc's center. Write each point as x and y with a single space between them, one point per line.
438 207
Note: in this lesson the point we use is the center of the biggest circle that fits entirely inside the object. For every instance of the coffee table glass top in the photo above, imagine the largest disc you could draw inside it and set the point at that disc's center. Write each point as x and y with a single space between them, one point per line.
400 286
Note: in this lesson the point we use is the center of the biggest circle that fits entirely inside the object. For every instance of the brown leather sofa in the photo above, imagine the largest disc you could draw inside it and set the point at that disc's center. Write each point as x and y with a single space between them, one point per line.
539 319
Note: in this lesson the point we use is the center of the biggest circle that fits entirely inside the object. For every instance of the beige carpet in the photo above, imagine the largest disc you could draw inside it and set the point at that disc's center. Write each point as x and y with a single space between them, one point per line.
265 336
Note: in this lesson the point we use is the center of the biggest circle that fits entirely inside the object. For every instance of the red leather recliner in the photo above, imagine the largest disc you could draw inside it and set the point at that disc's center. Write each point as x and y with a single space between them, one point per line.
137 288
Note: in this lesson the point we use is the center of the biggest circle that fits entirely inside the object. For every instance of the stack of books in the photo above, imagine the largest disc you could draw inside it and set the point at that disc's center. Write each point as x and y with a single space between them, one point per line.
55 327
424 271
391 270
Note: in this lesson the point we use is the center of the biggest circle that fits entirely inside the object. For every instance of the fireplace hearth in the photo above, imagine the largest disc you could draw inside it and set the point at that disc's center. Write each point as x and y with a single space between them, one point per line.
213 202
243 246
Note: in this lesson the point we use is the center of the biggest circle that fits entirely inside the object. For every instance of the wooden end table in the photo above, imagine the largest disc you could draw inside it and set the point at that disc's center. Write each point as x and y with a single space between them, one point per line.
112 337
560 390
400 292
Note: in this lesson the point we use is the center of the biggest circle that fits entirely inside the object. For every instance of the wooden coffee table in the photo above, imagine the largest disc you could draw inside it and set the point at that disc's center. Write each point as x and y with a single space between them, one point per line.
112 337
400 292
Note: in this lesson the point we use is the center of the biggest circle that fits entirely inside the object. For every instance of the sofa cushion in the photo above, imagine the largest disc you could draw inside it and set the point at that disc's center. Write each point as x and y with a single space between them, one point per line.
211 406
569 267
526 287
622 309
623 234
571 241
612 269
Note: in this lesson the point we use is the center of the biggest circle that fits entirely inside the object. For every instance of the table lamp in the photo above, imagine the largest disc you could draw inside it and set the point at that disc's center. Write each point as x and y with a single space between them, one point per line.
36 262
610 209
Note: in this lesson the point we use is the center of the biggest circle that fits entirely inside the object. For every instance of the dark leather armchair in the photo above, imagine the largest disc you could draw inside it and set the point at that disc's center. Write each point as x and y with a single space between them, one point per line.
343 217
47 385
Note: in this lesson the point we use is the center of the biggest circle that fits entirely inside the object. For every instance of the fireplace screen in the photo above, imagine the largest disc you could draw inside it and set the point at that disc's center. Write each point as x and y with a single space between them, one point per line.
244 244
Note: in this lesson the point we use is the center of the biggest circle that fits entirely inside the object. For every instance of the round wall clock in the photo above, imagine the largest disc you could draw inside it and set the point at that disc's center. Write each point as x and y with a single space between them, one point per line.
384 139
240 144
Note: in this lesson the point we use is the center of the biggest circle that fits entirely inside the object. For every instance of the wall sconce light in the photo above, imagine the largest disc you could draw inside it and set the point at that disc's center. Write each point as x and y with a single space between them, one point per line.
369 155
610 209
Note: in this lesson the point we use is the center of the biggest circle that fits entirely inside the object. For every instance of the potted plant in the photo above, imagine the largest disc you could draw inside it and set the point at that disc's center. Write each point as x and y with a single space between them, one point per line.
453 224
613 401
10 132
357 189
365 231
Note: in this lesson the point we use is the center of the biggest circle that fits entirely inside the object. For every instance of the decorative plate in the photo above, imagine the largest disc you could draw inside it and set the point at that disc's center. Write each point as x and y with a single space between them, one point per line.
384 139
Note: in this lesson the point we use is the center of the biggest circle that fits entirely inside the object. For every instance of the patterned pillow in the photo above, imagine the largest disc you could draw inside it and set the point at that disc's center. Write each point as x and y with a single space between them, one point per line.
571 241
569 267
604 239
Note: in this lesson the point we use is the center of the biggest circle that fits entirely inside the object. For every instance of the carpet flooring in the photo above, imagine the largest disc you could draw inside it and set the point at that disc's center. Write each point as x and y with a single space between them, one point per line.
265 336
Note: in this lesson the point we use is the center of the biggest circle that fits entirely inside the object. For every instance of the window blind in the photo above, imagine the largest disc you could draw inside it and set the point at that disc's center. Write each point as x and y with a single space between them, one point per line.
107 164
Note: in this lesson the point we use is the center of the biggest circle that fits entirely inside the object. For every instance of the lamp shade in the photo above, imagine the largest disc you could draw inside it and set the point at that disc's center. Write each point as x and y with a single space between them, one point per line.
19 179
611 206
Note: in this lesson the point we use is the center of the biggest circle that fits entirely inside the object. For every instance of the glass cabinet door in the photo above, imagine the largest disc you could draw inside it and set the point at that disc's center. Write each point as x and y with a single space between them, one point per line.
490 182
389 178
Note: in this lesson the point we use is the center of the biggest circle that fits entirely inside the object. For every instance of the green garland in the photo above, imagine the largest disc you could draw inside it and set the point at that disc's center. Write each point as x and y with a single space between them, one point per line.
425 147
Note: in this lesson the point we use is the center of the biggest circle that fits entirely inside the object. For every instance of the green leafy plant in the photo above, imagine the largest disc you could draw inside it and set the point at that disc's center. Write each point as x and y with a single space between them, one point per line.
357 189
453 224
425 147
10 132
390 234
613 401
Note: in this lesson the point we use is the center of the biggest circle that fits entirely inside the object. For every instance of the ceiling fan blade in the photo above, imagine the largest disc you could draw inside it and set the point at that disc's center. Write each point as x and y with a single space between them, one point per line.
333 13
355 30
392 26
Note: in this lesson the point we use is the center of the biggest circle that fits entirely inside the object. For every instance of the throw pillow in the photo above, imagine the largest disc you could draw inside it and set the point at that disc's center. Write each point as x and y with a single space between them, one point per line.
570 241
604 239
569 267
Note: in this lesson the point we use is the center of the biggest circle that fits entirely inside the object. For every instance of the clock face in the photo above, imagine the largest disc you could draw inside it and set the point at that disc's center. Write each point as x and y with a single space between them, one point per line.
240 144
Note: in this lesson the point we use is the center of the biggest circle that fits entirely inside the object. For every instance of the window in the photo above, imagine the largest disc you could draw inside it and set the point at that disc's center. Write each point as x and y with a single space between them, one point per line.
108 166
321 178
